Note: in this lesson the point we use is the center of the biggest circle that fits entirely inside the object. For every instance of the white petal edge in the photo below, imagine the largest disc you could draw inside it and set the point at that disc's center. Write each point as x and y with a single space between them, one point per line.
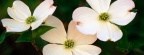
22 8
57 34
51 10
99 5
45 9
86 50
86 20
121 9
108 31
54 49
78 37
124 20
14 26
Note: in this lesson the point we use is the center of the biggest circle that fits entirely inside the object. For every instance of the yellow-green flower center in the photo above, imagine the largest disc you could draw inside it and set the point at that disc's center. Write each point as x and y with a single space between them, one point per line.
69 44
30 20
104 16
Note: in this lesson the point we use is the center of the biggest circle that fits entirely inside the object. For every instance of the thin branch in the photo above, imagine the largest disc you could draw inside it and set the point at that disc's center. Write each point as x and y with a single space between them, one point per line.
36 48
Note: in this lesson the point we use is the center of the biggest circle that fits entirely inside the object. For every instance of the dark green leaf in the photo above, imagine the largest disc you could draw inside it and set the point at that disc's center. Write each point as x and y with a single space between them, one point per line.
41 30
2 37
127 45
108 47
123 44
137 43
40 43
25 37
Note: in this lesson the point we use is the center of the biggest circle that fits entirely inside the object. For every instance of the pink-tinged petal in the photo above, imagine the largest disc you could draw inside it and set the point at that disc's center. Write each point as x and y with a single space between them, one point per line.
51 10
124 20
45 9
120 10
78 37
54 49
99 5
57 34
86 50
108 31
14 26
86 20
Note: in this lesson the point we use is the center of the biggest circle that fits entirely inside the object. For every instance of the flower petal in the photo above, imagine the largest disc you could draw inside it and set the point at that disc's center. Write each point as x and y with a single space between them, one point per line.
53 49
86 20
22 8
15 15
36 24
108 31
124 20
51 10
78 37
45 9
20 11
14 26
57 34
87 50
120 11
99 5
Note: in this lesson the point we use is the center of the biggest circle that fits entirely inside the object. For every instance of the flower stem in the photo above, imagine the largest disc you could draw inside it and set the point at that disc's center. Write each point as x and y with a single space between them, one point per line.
36 48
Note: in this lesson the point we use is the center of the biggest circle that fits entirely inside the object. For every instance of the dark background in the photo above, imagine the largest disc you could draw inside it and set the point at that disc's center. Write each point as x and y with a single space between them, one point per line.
132 42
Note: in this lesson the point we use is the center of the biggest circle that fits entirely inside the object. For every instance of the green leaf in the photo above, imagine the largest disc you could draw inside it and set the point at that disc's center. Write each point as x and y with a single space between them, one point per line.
2 37
41 30
25 37
29 36
129 43
40 43
137 43
123 44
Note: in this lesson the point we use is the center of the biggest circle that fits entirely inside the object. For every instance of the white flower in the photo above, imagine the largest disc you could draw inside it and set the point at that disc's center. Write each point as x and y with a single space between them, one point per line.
102 18
22 18
72 43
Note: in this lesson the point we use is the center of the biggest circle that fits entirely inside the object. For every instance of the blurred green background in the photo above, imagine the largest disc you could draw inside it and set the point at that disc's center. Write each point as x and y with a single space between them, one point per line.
132 42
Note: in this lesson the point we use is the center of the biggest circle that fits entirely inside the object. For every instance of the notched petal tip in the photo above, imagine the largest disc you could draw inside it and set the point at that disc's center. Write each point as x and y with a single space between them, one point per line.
19 11
46 8
50 1
110 39
14 26
114 39
7 28
133 10
85 18
78 23
52 9
16 2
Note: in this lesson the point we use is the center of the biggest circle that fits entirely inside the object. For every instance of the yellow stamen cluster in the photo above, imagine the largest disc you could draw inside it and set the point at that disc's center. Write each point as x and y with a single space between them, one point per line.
30 20
69 44
104 16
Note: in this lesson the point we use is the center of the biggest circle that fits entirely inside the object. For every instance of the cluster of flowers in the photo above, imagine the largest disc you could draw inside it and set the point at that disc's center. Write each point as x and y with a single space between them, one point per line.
87 25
